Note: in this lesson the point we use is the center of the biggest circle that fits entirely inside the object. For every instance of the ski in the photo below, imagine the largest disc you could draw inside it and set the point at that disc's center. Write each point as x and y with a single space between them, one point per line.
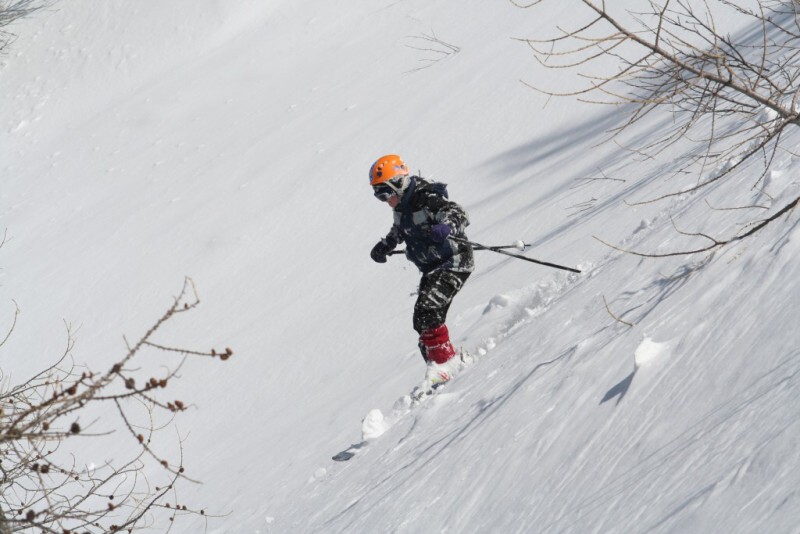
406 403
349 452
419 394
403 406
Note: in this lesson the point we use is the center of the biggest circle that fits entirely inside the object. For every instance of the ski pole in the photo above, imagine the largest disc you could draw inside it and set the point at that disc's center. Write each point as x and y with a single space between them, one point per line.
499 251
519 246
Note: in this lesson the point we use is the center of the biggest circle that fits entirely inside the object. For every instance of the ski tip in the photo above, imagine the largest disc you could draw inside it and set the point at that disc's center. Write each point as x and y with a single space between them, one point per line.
344 456
349 452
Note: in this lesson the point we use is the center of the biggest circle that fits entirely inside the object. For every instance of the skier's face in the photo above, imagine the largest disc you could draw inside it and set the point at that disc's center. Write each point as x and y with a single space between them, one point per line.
393 201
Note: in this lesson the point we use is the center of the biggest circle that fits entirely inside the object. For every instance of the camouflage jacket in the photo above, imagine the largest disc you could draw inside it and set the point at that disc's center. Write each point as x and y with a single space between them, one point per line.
423 205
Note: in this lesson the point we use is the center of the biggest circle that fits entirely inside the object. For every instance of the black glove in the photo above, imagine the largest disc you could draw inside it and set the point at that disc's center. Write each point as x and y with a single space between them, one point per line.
380 251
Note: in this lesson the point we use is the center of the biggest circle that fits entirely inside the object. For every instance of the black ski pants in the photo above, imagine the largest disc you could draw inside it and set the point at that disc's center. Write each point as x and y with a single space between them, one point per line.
436 292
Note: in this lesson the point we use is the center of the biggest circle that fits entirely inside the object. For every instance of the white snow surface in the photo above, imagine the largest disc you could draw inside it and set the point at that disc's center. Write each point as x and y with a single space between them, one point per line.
230 141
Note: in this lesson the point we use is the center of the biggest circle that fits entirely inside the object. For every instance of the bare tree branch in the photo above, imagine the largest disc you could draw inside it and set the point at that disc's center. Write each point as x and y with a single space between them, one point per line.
605 302
731 97
42 483
13 10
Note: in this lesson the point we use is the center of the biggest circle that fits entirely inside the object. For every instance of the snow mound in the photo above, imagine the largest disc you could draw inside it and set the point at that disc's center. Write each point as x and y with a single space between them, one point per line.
648 352
374 425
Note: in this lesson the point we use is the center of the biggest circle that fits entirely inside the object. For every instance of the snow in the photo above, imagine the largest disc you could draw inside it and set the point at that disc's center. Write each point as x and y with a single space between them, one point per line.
230 141
649 352
374 425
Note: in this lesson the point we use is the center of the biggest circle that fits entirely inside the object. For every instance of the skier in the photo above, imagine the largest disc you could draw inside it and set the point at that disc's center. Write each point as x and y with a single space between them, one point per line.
427 222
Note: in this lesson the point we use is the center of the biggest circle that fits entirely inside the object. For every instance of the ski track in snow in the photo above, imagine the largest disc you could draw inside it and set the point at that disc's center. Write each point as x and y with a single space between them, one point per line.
518 308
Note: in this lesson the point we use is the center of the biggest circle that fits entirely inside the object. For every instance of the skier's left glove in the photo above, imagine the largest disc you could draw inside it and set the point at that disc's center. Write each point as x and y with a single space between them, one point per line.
440 232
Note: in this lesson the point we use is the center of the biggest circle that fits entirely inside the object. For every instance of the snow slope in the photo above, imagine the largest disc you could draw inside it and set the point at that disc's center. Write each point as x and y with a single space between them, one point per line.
229 141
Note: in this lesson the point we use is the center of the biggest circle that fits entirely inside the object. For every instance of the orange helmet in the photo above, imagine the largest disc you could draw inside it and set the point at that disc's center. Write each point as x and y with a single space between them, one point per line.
386 168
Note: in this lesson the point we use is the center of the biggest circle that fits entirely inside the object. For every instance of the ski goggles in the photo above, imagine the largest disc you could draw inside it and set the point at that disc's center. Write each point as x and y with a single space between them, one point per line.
384 191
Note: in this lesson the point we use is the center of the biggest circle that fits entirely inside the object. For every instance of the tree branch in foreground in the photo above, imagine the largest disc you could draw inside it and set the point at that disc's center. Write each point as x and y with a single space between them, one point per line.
44 483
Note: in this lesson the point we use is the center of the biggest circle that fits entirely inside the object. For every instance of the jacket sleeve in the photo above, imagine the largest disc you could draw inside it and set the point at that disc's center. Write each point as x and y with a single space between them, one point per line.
393 238
447 212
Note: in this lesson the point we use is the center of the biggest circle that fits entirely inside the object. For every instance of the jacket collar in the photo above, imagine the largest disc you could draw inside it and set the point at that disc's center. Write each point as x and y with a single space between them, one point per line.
408 194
